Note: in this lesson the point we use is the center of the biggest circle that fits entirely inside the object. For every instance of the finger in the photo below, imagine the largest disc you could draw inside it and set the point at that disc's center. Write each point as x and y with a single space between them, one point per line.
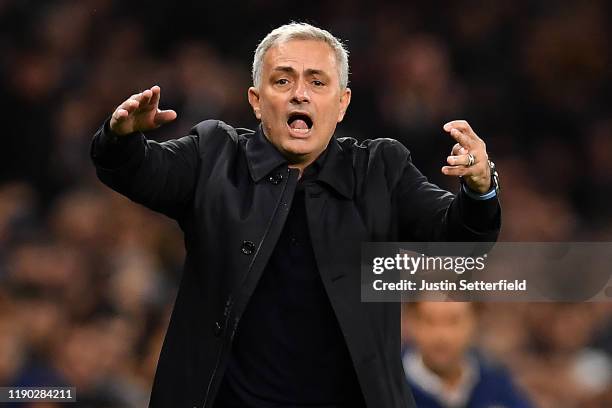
456 170
458 149
164 116
130 105
120 114
458 160
459 124
463 126
142 98
461 138
145 99
156 95
462 171
455 149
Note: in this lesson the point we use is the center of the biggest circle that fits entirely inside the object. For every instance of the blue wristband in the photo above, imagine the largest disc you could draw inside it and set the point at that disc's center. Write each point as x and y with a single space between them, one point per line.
472 194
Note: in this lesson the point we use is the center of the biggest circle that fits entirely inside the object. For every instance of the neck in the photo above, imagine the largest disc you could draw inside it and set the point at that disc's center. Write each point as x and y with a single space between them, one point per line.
300 166
301 162
450 376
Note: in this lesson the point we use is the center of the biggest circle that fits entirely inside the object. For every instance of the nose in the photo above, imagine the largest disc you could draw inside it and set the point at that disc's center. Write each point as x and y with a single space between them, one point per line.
300 93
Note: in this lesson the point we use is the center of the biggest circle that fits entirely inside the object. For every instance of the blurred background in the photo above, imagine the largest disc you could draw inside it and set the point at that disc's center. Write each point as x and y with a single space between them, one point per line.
87 278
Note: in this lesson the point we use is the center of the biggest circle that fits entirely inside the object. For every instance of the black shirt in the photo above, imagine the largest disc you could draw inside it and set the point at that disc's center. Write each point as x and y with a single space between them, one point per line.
288 349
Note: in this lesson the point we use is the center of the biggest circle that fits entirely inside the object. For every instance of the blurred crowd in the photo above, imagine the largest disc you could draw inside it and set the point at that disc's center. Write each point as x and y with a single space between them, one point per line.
87 278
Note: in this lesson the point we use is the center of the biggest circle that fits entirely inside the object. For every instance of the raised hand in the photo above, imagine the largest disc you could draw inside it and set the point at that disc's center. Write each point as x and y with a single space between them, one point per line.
140 112
468 158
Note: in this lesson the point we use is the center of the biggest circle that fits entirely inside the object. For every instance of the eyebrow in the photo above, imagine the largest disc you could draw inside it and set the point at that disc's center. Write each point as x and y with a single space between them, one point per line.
290 70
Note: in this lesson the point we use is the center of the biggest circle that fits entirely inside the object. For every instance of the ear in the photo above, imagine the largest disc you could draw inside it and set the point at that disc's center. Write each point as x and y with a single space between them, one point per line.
253 95
345 100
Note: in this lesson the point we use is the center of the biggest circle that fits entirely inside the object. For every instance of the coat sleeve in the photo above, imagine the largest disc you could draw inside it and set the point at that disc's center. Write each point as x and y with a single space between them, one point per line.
160 176
427 213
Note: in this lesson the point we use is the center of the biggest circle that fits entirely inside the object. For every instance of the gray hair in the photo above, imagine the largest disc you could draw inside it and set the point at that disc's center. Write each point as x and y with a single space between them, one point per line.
301 31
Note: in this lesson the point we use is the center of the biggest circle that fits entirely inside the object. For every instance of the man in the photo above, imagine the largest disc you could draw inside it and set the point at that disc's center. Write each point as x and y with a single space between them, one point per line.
268 311
442 369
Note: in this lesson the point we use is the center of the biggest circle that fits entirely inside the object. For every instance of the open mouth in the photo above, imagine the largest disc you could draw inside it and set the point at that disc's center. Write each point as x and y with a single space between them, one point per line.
299 122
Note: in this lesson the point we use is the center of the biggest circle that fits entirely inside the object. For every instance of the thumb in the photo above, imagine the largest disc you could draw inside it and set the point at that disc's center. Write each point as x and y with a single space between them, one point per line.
164 116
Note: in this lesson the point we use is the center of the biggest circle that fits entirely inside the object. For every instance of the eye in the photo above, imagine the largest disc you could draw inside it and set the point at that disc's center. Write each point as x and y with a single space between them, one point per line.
282 81
316 82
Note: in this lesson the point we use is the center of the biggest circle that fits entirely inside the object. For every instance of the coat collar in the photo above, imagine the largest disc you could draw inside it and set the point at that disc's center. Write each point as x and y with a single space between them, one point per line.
262 156
337 172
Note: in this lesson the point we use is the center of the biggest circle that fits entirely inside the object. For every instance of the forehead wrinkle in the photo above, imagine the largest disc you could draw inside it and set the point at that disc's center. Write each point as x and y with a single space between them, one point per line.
280 61
306 71
315 71
284 68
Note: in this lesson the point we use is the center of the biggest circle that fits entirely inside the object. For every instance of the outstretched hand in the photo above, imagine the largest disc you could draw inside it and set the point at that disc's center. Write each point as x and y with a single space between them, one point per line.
475 170
140 112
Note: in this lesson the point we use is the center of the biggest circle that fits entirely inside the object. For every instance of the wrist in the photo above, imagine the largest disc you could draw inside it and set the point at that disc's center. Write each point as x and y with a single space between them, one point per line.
492 192
493 188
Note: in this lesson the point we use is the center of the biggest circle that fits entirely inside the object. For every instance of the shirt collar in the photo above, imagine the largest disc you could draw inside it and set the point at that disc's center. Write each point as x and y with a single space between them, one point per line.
333 166
429 382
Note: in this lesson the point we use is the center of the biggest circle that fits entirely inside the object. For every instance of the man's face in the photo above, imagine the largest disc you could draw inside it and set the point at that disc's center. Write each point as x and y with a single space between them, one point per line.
443 332
299 100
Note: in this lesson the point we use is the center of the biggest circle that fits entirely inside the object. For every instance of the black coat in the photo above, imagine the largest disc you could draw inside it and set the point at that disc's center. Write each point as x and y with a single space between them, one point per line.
230 191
